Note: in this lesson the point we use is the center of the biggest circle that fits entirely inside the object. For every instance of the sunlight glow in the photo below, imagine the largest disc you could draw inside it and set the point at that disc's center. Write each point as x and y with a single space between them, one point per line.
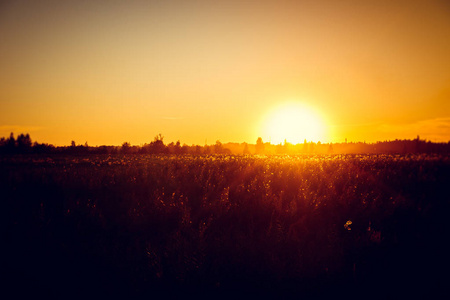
294 122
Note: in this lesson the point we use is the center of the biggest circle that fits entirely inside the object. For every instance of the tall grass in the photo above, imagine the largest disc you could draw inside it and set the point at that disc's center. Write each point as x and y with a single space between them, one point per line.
140 224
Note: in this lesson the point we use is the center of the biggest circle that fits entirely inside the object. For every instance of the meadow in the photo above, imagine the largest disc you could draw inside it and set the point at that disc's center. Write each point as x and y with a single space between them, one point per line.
139 225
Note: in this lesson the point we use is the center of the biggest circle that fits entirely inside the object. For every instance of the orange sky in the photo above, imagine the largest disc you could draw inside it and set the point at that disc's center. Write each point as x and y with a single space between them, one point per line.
106 72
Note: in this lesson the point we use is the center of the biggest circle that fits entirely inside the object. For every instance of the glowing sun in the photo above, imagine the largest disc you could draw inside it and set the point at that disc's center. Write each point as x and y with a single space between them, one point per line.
294 122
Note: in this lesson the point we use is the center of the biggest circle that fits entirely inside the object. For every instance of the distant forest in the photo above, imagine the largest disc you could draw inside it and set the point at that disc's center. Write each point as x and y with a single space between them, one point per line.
24 145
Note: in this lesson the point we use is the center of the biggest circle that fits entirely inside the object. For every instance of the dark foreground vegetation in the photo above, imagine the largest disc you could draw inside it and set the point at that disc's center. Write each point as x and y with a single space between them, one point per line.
146 225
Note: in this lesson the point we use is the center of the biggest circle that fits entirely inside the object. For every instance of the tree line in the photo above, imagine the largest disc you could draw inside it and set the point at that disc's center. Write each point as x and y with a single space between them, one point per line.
24 145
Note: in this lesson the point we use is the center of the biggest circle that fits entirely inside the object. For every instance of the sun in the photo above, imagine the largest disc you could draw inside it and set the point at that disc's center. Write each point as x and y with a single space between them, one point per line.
293 122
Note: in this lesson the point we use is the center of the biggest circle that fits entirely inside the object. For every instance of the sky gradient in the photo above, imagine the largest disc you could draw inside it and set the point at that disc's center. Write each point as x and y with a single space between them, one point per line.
106 72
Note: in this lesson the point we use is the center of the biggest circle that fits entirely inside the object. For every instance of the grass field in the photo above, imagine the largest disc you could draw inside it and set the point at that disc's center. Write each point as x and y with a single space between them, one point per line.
143 225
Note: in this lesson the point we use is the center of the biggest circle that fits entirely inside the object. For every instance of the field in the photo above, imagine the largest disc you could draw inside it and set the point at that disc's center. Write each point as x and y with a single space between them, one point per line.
143 225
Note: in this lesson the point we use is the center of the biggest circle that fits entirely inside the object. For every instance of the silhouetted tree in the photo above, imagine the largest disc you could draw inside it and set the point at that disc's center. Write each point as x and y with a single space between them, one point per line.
125 149
218 147
23 143
157 146
186 149
8 145
279 148
259 146
42 148
11 141
198 150
175 148
178 147
312 147
330 149
246 151
207 149
305 146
